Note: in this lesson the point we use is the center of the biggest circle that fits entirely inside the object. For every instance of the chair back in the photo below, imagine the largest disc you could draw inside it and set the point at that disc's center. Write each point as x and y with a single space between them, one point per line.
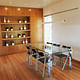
56 47
66 49
29 51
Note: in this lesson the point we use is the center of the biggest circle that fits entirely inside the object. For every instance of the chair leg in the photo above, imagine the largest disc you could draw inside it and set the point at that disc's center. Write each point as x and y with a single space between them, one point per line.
30 60
44 67
64 63
54 61
36 65
60 60
49 67
26 59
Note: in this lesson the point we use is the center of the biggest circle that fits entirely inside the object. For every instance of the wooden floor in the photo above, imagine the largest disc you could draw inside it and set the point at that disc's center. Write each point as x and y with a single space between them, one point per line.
14 67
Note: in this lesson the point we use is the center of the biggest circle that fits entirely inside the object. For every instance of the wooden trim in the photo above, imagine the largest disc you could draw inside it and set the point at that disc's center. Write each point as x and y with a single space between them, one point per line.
76 61
15 38
20 7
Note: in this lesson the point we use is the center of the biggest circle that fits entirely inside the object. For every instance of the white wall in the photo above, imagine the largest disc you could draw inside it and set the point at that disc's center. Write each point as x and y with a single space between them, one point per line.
69 32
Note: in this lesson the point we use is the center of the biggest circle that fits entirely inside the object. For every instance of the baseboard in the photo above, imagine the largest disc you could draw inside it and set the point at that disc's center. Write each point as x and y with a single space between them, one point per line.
75 62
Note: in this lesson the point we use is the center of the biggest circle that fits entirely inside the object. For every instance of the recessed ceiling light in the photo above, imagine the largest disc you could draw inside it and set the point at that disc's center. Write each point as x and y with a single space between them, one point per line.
6 8
29 10
18 9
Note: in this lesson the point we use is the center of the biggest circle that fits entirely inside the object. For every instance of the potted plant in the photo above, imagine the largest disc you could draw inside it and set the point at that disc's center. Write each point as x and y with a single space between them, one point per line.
11 28
25 20
7 29
19 20
21 28
7 43
24 35
12 43
19 35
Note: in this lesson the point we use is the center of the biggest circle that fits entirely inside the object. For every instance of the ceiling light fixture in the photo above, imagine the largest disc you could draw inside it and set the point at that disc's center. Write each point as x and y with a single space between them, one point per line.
19 9
6 8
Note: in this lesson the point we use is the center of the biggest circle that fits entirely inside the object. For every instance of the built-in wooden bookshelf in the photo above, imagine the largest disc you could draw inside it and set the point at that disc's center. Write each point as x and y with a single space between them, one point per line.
15 23
19 25
34 28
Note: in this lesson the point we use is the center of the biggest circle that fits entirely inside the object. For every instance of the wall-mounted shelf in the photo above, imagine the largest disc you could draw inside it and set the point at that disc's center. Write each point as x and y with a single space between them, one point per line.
18 29
14 23
15 31
15 38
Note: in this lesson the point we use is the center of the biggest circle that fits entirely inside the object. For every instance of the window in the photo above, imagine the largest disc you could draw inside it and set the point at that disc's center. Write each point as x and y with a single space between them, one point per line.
48 29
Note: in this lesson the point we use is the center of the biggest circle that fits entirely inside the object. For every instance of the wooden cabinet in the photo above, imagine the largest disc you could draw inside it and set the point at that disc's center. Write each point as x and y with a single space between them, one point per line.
34 28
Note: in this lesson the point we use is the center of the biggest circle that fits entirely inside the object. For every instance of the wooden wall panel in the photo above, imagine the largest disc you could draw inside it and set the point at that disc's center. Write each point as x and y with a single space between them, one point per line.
13 11
36 17
36 26
0 37
3 12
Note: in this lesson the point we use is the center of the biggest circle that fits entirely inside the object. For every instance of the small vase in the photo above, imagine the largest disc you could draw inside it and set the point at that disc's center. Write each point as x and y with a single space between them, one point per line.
21 28
20 36
12 36
4 20
23 42
26 41
8 21
24 35
25 21
6 36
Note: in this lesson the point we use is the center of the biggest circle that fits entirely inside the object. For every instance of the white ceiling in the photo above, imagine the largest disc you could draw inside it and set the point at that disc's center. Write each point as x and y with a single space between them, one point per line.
27 3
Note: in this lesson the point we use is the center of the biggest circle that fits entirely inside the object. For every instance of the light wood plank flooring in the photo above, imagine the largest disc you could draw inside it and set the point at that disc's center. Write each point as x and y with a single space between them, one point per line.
14 67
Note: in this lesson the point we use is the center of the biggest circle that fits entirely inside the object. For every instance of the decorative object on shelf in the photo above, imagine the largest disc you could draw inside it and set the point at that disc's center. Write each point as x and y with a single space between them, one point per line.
4 20
12 43
7 29
19 21
25 20
19 35
21 28
8 21
23 35
11 28
23 42
6 36
26 41
24 27
7 43
12 35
